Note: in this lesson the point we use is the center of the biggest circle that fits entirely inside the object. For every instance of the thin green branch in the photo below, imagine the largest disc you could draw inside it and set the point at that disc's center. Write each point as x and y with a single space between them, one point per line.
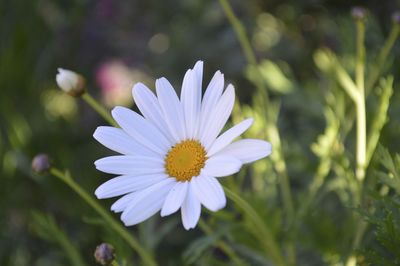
346 82
261 231
361 132
377 66
222 245
272 129
380 117
360 103
115 225
240 32
99 109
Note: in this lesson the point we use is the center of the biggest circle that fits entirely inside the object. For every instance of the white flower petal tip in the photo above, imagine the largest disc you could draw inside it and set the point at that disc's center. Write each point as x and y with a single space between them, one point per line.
228 136
70 82
172 153
210 193
140 129
190 210
247 150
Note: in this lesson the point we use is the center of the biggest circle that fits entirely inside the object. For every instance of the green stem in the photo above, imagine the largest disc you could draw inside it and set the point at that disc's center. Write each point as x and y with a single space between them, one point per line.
99 109
222 245
360 103
380 118
377 67
361 131
261 231
346 82
272 130
318 181
117 227
240 32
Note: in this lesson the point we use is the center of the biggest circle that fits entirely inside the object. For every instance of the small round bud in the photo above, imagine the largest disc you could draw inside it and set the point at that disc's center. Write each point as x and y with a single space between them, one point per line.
70 82
396 17
358 12
104 254
41 163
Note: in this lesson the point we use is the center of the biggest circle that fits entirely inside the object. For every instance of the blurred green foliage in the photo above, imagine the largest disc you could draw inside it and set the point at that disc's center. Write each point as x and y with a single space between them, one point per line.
164 38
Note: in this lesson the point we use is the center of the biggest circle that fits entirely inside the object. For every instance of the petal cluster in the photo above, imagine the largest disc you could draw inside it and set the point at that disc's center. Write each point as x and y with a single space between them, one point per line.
70 82
166 120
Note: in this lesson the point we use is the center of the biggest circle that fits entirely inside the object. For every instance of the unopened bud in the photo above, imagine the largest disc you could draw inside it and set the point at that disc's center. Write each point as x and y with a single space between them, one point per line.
41 163
70 82
396 17
358 12
104 254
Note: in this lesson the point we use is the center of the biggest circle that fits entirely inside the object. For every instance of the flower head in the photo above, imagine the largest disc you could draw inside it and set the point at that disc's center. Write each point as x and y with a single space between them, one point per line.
174 153
70 82
104 254
41 163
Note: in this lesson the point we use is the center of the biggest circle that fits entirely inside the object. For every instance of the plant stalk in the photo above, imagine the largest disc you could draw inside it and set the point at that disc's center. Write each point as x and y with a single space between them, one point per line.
360 103
377 67
222 245
116 226
103 112
261 231
272 129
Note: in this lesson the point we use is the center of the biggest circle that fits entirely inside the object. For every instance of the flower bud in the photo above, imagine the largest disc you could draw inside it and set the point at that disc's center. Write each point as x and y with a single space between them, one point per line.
41 163
104 254
396 17
358 12
70 82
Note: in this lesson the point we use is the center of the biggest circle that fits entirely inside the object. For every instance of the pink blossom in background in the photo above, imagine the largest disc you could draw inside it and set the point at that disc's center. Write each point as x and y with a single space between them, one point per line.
115 80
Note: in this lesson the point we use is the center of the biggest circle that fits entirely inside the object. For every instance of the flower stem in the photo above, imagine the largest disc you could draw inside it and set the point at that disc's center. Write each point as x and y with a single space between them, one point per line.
272 129
361 131
99 109
117 227
360 103
222 245
240 32
261 231
377 67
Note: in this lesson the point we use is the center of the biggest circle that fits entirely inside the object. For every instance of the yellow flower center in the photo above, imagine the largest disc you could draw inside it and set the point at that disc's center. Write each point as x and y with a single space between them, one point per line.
185 160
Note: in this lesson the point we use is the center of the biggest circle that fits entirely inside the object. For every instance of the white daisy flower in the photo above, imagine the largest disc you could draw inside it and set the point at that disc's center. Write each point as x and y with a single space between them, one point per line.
173 154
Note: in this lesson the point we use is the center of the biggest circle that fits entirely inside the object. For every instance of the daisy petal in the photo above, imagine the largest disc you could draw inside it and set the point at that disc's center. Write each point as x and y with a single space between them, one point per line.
175 198
121 204
247 150
190 209
190 98
149 106
140 129
211 97
218 117
117 140
222 165
228 136
172 108
147 202
209 191
121 185
198 70
130 165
